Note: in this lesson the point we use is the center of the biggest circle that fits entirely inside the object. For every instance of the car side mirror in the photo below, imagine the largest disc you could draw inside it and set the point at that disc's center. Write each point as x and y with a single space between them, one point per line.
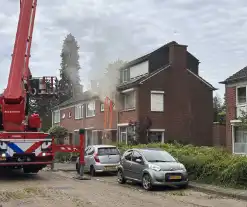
139 161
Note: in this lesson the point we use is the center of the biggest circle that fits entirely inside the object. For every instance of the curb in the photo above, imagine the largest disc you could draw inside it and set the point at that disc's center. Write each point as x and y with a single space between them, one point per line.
65 170
219 191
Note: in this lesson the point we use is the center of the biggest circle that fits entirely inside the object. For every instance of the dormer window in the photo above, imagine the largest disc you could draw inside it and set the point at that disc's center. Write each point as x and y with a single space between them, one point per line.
124 75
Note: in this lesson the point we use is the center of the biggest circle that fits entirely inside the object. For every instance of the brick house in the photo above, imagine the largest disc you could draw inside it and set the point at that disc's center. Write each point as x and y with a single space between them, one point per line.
85 111
163 92
160 97
236 102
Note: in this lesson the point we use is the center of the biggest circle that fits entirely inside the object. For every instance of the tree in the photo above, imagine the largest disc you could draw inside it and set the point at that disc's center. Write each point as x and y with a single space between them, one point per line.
44 108
59 133
219 107
69 83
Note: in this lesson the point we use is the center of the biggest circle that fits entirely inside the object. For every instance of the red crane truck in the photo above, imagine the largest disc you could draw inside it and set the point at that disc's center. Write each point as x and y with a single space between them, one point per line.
22 145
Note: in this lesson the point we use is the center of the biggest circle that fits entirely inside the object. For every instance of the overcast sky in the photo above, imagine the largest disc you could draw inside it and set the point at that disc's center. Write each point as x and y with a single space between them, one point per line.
109 29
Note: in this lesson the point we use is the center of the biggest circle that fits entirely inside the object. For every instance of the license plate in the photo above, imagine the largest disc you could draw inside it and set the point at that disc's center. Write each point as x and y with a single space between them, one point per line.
109 168
175 177
2 158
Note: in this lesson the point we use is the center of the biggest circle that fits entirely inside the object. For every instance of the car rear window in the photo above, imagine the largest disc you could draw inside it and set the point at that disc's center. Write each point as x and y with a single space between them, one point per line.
108 151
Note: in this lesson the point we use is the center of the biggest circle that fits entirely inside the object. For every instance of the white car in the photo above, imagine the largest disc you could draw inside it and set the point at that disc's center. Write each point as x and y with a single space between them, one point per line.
100 158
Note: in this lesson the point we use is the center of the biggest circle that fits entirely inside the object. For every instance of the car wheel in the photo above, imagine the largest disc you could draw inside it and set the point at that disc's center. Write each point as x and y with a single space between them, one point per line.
185 186
92 171
120 177
147 182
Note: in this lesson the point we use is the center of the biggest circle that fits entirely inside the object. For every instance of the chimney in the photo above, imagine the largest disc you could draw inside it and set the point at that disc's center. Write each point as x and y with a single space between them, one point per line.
94 85
77 90
178 56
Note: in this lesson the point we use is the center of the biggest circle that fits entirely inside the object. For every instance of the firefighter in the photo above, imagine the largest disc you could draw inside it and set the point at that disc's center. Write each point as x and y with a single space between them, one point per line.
1 118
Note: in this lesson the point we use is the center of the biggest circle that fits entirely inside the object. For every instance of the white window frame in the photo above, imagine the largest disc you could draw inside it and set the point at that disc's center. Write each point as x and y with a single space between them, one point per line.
237 103
162 131
125 77
236 144
91 115
56 116
69 114
123 132
79 111
102 107
134 100
151 103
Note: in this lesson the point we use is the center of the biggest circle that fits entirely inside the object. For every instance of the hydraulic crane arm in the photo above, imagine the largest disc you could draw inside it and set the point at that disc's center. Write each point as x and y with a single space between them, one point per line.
19 71
14 99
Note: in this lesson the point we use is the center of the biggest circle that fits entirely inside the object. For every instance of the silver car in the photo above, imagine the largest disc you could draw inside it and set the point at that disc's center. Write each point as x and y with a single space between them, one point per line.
152 167
100 158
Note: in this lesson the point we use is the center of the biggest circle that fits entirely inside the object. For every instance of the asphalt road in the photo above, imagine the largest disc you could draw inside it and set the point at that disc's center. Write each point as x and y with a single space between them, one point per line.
60 188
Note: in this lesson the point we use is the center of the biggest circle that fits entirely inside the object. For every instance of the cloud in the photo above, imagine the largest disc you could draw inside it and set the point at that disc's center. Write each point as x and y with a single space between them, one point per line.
109 29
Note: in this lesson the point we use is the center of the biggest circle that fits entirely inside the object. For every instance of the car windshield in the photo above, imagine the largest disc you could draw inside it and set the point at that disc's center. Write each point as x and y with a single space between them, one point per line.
158 156
108 151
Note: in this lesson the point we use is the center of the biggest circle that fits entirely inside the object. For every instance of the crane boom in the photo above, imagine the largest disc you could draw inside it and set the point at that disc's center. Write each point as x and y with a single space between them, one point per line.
14 92
14 98
20 87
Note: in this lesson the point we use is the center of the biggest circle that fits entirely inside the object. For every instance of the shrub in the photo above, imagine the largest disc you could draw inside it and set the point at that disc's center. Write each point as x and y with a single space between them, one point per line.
206 164
62 156
59 133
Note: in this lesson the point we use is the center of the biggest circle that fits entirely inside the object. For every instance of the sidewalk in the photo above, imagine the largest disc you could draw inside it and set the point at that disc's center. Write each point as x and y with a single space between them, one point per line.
229 192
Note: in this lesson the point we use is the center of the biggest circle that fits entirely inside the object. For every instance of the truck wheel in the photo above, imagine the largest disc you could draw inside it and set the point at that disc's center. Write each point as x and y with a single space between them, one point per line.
26 170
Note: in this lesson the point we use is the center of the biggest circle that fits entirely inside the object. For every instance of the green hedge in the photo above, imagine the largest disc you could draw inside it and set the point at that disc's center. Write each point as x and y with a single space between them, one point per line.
207 164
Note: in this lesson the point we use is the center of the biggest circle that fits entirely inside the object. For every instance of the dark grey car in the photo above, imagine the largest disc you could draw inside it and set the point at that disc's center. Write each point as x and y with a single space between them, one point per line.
151 167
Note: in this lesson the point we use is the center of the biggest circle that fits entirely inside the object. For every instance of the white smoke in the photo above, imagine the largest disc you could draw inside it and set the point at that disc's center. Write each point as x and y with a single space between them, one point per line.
105 84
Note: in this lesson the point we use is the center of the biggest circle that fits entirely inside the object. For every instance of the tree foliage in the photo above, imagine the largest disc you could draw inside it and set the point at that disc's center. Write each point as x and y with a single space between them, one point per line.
44 108
219 107
69 82
59 133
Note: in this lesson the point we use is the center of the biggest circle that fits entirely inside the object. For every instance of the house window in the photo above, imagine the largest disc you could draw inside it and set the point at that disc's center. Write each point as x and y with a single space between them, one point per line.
102 107
56 116
79 111
123 135
129 100
240 141
241 95
155 136
125 75
70 114
90 109
157 101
